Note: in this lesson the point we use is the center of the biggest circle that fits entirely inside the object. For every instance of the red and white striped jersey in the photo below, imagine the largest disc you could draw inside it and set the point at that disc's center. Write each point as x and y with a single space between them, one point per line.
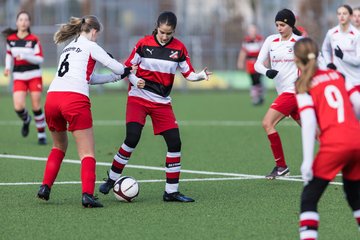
329 97
252 46
157 65
15 46
281 56
77 63
349 43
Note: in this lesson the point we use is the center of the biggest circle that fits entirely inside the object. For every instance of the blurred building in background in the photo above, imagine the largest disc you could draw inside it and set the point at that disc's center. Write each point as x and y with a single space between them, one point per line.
211 29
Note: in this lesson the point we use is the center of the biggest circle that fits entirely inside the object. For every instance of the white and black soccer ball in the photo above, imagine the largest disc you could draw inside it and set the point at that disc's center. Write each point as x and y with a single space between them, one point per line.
126 189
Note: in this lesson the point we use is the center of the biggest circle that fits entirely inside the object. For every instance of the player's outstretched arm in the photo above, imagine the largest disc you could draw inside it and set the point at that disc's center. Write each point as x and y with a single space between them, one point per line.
203 75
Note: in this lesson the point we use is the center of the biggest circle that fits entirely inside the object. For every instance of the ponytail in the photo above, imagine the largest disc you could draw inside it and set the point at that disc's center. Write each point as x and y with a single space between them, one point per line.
308 70
75 27
8 31
297 31
306 52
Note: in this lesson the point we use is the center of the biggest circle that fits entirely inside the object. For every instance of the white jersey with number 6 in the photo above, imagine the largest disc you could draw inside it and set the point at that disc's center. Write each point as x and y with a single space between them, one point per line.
76 64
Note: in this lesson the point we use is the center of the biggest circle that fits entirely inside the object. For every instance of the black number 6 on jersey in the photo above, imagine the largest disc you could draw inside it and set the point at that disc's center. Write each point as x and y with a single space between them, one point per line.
64 66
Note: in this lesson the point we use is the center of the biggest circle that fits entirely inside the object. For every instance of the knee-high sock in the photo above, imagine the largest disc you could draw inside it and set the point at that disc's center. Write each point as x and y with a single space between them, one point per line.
53 166
40 123
172 169
277 149
23 115
309 223
88 175
120 160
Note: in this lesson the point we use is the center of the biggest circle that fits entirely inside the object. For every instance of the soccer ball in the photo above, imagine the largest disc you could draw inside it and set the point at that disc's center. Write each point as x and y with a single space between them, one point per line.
126 189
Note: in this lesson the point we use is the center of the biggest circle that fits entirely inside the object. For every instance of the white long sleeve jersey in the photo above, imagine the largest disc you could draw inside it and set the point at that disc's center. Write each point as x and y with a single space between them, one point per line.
349 43
281 56
76 65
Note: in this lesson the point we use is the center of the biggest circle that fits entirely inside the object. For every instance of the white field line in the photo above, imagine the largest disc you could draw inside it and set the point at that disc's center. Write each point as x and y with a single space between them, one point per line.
140 181
235 175
201 123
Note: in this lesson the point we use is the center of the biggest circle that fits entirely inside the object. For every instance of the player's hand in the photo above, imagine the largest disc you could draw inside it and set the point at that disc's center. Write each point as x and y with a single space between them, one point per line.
271 73
207 73
306 172
141 83
338 52
6 72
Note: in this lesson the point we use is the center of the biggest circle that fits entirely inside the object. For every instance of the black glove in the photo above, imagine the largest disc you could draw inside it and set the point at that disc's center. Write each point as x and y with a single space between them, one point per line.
338 52
271 73
331 66
126 73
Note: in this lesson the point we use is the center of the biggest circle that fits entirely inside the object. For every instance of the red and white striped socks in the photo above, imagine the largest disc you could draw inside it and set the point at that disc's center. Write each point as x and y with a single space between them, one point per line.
309 223
172 170
120 160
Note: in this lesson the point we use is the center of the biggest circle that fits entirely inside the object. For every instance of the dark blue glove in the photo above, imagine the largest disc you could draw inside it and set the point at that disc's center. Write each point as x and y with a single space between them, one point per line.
331 66
338 52
271 73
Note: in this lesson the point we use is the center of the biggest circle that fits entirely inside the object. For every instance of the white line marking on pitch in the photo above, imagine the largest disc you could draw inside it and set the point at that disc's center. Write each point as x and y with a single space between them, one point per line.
140 181
238 175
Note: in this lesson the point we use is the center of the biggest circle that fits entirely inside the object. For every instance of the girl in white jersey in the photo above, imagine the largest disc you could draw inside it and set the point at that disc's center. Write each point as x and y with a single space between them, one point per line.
67 104
356 18
278 48
341 47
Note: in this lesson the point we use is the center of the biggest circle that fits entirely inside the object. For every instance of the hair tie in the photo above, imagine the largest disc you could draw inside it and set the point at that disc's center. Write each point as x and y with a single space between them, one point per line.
82 20
311 56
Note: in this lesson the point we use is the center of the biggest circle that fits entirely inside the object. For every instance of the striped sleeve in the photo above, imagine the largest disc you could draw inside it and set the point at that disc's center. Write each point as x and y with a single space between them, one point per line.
135 57
38 49
185 65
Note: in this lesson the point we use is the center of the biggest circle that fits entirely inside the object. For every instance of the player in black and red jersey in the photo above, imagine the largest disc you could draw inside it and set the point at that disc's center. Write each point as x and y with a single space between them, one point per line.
250 49
157 57
23 49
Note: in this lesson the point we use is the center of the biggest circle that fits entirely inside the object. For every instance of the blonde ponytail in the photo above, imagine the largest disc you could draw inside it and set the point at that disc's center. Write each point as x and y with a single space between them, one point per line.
75 26
306 52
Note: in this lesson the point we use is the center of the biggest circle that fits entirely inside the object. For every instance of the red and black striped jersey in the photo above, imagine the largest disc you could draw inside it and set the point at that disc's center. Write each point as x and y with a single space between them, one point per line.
252 45
30 45
157 64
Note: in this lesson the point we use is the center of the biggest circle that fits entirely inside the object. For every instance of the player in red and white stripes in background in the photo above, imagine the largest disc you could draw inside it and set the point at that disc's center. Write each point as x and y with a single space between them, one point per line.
328 100
341 47
23 48
157 56
250 49
68 106
278 49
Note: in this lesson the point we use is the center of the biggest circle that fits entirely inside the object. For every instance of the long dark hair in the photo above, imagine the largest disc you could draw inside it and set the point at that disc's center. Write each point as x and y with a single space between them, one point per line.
8 31
168 18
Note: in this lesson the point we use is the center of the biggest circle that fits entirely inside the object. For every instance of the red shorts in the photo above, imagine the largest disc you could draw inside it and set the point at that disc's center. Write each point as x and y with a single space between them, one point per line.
162 115
62 108
32 85
287 105
329 163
